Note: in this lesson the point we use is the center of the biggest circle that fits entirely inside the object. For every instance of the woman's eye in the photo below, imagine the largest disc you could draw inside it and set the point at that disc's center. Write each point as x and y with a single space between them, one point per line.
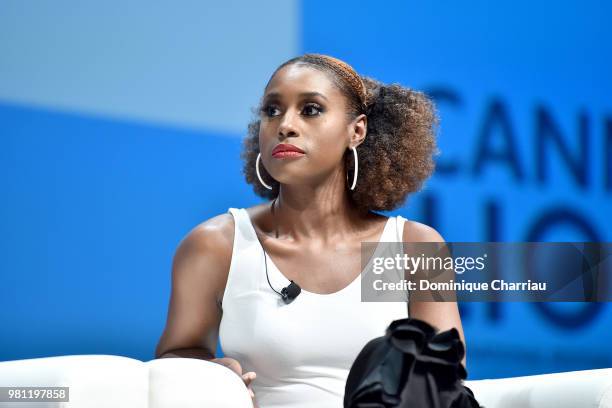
270 110
312 110
309 110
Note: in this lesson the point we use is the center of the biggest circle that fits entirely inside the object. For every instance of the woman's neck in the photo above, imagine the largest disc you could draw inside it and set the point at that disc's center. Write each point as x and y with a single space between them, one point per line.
304 216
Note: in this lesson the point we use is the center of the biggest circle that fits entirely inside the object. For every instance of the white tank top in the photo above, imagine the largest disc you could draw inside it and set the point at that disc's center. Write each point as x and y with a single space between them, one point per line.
302 351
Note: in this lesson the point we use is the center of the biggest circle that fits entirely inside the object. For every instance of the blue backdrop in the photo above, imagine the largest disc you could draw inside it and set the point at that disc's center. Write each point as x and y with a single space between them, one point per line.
115 121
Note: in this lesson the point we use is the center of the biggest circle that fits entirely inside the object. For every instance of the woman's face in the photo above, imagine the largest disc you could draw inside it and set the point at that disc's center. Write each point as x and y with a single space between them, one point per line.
302 107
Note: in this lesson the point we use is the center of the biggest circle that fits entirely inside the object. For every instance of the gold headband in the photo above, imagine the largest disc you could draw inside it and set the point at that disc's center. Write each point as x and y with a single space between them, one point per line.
350 75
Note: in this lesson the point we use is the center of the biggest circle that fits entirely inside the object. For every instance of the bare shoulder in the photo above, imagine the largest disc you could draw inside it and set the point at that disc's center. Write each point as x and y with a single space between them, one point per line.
415 231
204 254
216 233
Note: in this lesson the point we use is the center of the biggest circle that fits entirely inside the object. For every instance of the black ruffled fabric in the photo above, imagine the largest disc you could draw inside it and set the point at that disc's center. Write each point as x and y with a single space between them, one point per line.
413 366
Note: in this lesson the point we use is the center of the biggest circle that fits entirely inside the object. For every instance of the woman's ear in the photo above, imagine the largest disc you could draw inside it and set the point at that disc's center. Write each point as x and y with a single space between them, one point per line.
359 130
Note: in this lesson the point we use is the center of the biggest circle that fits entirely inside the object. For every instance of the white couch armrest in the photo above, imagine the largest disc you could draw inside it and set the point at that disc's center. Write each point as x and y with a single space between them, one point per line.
94 381
572 389
194 383
102 381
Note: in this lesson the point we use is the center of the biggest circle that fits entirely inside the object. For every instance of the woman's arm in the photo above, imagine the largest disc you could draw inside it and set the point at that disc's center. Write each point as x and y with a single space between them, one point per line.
199 274
442 315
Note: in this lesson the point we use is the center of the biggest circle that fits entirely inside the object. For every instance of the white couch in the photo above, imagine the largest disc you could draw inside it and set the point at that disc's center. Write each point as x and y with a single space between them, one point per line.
105 381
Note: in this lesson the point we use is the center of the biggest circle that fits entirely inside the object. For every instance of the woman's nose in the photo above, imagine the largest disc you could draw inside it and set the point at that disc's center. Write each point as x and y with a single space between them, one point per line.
287 125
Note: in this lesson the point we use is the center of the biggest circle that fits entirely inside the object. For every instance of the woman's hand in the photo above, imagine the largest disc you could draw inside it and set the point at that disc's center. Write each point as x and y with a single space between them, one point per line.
235 366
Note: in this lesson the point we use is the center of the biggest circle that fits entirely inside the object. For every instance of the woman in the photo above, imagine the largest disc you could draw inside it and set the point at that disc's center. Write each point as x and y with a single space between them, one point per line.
317 117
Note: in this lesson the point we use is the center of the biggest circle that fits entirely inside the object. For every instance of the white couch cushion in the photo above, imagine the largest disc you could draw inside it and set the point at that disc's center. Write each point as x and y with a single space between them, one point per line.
104 381
573 389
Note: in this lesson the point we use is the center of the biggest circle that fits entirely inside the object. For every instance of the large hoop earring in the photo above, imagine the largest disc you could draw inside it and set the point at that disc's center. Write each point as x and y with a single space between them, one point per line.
258 174
356 169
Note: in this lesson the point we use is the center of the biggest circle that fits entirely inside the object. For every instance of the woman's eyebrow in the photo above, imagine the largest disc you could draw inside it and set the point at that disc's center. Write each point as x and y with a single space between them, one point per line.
276 95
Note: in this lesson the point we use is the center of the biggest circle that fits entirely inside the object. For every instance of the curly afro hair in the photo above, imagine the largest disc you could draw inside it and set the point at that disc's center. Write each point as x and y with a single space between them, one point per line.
397 155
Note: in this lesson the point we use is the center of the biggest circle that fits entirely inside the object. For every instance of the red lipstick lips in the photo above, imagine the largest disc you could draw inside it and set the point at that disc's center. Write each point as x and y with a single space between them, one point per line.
286 150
